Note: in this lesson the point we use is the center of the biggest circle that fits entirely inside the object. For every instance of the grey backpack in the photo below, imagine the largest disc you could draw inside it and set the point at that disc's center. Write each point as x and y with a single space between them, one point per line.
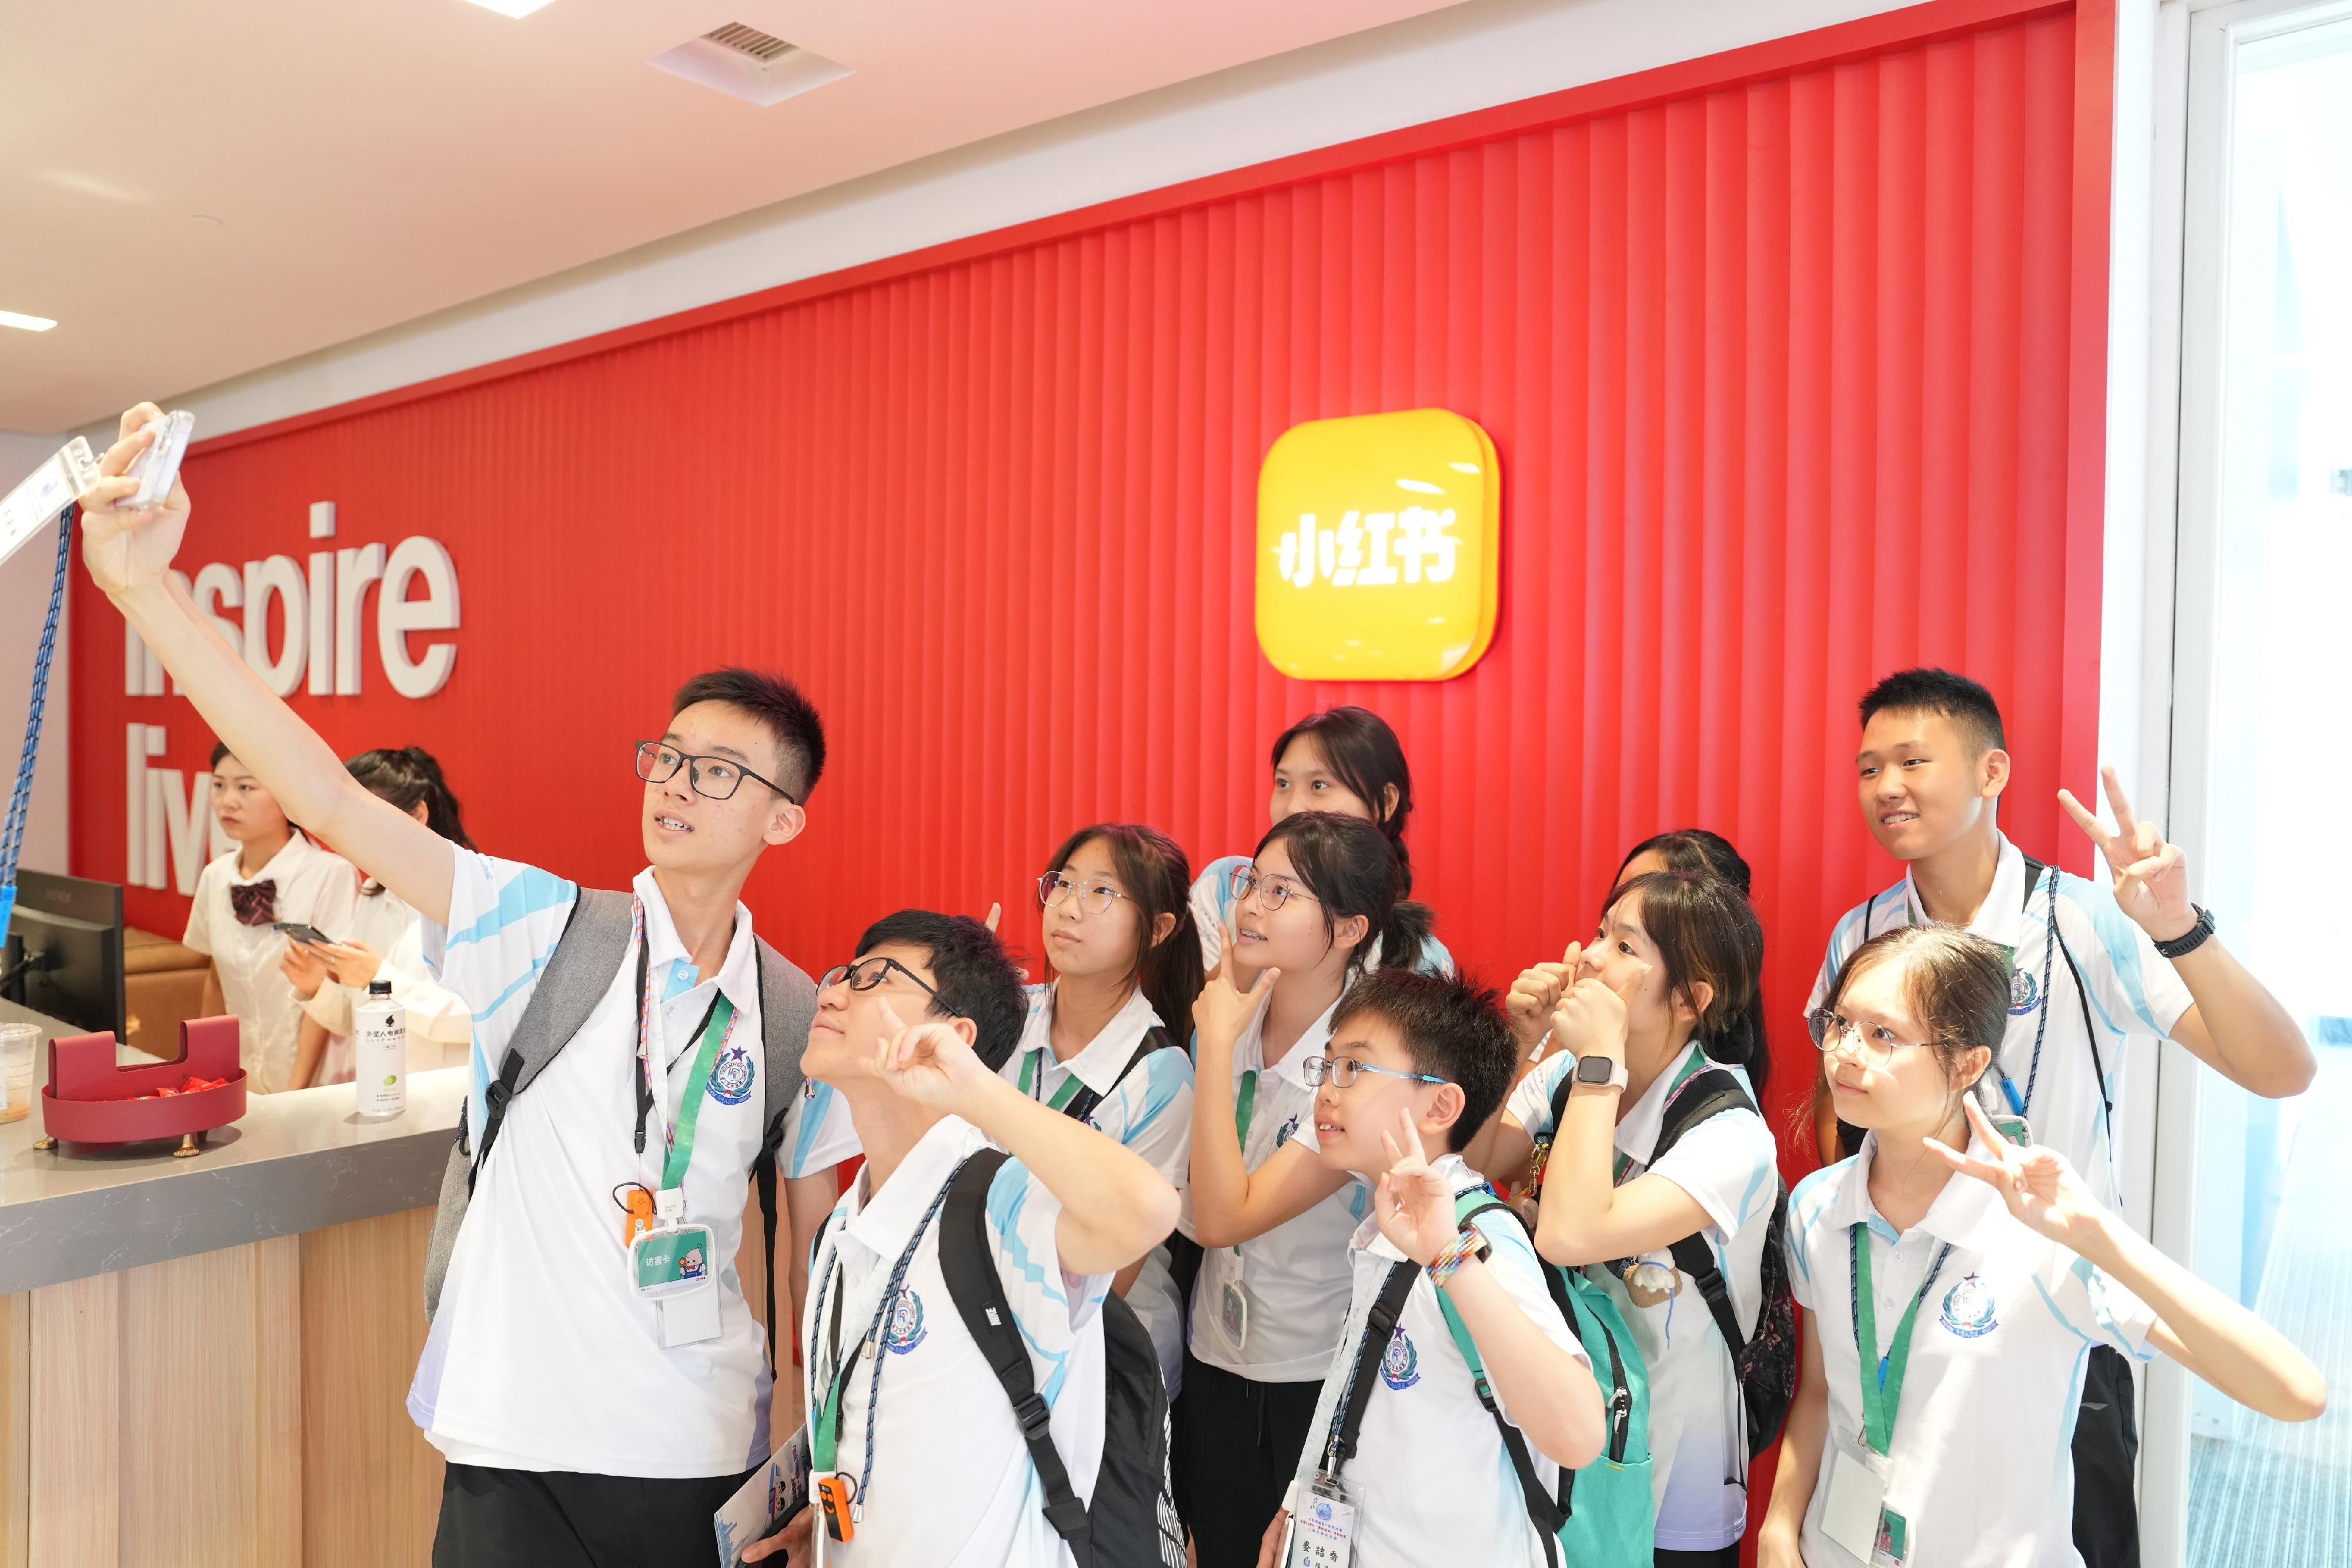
594 943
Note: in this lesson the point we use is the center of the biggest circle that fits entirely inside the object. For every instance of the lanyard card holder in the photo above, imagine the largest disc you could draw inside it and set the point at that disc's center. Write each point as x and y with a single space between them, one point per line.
1321 1533
1856 1515
673 1268
1234 1305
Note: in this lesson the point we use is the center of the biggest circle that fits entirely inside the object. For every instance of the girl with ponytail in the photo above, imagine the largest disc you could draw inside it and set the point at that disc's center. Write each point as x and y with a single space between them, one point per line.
1274 1222
1668 989
1346 761
383 941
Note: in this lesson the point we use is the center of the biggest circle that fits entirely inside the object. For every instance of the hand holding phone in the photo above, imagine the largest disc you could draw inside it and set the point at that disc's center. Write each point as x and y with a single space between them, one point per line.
158 466
300 932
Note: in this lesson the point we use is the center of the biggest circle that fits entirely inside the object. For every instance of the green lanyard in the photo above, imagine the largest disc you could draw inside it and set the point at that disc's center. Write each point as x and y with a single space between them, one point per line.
1063 1096
1882 1393
706 1057
1244 1107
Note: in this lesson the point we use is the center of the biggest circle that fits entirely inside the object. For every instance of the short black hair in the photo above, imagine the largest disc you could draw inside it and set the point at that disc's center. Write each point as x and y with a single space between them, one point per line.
1452 1027
1969 706
789 719
972 976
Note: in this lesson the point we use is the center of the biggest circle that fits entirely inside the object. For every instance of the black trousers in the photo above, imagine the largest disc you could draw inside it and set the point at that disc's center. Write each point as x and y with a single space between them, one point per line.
2106 1449
1721 1557
558 1519
1237 1444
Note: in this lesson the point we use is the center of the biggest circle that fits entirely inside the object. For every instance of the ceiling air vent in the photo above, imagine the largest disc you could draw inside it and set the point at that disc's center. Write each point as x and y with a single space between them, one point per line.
746 63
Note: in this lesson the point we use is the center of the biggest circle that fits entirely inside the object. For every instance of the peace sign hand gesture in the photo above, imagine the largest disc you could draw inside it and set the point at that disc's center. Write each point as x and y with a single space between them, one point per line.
2037 1184
1415 1203
2151 875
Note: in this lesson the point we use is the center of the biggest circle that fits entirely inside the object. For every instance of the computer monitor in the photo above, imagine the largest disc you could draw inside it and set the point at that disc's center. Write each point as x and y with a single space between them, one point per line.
65 950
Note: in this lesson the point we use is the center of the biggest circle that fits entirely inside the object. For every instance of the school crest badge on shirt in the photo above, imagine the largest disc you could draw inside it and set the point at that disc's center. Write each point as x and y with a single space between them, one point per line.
2024 992
732 1075
1400 1367
904 1330
1968 1309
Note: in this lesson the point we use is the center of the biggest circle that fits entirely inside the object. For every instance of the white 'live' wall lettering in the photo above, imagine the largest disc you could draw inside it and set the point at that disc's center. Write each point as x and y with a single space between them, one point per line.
322 612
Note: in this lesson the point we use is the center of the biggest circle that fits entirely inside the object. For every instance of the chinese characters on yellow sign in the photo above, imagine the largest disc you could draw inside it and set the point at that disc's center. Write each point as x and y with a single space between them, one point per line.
1378 548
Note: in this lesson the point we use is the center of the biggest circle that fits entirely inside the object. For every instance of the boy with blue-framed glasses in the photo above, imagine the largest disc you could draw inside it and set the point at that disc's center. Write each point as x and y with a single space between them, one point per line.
1453 1355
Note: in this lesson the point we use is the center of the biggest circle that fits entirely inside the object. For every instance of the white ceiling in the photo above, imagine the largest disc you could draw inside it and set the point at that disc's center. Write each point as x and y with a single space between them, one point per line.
369 163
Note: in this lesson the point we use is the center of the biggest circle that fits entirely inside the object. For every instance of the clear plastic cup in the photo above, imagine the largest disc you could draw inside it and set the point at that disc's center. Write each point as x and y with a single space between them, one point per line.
16 1043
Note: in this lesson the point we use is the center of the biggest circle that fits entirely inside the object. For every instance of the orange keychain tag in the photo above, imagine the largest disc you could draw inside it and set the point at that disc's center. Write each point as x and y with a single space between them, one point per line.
640 1207
832 1494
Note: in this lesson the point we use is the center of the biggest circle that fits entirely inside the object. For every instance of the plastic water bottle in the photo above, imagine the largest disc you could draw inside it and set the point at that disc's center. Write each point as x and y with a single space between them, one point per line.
380 1054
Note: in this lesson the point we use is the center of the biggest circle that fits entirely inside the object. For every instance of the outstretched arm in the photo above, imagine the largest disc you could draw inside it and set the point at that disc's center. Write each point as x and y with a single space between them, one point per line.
2197 1325
129 552
1115 1206
2234 1024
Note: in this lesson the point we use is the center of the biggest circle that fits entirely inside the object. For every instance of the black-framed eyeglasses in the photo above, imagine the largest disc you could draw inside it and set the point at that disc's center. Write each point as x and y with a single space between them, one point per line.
1095 898
1270 892
712 778
1342 1071
1872 1044
867 973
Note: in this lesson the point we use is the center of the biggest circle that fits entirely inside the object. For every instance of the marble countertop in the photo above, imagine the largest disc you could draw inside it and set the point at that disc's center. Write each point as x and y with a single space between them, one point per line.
296 1162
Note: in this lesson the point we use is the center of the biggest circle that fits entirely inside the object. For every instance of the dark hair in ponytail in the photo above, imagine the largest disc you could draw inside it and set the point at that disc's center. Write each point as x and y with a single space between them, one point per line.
1706 930
1352 868
1361 751
402 778
1692 848
1155 876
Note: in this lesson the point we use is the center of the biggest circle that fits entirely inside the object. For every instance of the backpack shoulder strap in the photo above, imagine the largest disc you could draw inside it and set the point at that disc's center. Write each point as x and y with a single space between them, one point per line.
1380 1325
1544 1511
968 1263
1709 1094
787 1005
1082 1104
580 968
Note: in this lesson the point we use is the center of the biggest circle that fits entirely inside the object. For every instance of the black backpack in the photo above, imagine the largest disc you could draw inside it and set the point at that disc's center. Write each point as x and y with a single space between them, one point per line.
1131 1521
1764 1363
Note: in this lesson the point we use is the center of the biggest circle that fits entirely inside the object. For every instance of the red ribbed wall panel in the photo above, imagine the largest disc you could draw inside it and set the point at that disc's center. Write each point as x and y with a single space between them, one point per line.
1793 359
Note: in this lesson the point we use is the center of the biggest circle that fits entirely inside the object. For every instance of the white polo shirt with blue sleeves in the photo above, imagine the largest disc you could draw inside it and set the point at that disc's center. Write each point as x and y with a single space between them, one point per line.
951 1484
1150 1112
1982 1459
2130 987
1212 908
1431 1480
1730 1165
542 1355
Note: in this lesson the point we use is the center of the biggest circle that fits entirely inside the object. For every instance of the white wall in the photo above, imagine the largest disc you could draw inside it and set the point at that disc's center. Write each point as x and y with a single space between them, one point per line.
1466 57
24 602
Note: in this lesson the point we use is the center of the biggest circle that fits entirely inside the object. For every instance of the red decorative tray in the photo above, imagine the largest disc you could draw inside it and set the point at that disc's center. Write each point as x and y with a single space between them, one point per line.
89 1099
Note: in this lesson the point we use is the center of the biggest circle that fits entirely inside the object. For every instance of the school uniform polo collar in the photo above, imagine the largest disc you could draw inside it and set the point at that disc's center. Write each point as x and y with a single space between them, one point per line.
882 1221
673 971
1637 1135
280 866
1098 1065
1292 1068
2003 910
1370 1237
1967 1213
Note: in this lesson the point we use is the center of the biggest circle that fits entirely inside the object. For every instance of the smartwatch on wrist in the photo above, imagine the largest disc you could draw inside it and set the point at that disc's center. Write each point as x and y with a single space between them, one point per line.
2188 941
1601 1073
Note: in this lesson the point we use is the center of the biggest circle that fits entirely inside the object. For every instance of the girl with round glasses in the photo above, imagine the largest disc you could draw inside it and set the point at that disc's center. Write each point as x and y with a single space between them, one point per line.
1099 1042
1949 1322
1344 761
1663 1003
1323 893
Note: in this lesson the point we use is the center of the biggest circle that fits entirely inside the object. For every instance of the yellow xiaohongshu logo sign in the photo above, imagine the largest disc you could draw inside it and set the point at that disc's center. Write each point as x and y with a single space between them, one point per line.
1378 547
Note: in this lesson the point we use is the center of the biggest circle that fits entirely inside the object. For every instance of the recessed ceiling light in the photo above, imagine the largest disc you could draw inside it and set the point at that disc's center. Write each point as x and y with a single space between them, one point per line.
510 7
29 323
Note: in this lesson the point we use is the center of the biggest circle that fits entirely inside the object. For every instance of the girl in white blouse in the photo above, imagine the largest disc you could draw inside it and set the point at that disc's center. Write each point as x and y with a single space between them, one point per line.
382 941
273 874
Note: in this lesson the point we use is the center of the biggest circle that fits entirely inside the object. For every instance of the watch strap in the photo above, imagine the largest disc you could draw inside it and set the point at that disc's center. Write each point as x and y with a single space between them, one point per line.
2188 941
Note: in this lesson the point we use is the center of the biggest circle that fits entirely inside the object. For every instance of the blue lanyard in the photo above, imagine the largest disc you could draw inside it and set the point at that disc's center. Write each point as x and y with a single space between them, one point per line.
20 799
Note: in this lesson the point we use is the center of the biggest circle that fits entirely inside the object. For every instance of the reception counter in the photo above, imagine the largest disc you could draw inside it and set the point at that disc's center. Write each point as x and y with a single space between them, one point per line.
205 1361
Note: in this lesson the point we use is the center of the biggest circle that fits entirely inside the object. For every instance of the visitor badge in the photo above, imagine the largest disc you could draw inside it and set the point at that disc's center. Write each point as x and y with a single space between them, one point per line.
1322 1528
1857 1496
672 1260
1233 1313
